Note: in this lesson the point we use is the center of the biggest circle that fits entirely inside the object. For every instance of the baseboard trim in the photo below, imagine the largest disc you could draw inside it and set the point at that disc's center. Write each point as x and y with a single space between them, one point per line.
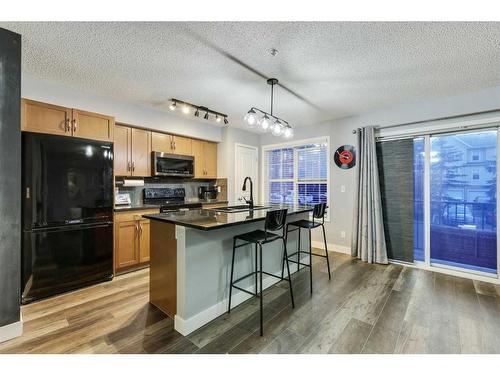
332 247
187 326
11 331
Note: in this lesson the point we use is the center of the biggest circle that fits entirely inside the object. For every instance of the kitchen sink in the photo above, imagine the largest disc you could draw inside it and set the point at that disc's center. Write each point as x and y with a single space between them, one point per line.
240 208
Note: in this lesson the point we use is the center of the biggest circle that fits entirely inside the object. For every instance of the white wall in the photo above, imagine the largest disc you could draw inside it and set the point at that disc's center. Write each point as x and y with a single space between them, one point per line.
340 132
226 157
123 111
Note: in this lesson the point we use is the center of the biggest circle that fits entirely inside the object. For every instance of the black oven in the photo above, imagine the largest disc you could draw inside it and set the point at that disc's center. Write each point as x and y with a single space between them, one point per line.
172 165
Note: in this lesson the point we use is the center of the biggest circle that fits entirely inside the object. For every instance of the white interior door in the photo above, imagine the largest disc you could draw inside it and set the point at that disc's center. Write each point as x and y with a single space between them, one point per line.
246 165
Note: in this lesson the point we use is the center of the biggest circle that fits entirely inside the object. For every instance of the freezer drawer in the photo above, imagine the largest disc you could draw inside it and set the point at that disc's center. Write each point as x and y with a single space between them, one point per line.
62 259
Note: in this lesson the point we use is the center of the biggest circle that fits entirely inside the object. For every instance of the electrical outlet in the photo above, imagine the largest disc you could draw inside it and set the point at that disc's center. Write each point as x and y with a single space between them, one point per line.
342 234
342 188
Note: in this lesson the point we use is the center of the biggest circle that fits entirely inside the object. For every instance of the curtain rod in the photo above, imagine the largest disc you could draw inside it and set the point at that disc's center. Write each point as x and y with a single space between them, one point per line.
434 119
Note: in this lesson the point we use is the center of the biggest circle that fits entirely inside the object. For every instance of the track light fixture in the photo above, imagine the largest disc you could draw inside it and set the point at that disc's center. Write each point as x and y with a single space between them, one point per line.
189 107
267 121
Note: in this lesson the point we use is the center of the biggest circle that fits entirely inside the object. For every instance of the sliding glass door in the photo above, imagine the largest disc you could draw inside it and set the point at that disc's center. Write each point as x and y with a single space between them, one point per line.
463 185
439 200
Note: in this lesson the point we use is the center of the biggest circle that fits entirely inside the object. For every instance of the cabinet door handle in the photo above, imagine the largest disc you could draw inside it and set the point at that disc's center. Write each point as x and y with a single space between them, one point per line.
67 127
129 166
175 145
133 166
74 125
140 229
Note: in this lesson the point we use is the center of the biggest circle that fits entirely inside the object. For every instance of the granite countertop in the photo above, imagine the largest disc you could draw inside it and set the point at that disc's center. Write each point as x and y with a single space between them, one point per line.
210 219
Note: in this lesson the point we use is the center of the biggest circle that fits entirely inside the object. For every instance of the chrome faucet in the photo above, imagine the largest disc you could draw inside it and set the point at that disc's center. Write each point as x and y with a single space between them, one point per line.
244 188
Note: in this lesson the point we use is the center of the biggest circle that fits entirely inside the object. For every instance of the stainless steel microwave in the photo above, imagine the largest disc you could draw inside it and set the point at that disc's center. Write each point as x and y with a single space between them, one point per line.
172 165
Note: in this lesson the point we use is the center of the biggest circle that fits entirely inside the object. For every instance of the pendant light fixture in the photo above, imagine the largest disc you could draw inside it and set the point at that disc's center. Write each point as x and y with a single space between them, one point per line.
267 122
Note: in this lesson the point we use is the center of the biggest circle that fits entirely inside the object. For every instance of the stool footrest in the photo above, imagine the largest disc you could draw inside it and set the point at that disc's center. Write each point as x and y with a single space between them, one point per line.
246 291
244 277
302 264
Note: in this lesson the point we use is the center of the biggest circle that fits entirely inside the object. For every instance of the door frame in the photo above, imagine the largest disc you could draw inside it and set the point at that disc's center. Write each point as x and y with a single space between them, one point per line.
236 190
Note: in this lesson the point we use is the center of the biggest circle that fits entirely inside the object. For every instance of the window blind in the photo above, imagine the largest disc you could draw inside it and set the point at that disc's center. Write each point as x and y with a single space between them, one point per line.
297 174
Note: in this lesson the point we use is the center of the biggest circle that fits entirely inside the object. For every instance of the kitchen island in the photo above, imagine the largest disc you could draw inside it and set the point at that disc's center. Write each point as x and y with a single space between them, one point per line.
191 260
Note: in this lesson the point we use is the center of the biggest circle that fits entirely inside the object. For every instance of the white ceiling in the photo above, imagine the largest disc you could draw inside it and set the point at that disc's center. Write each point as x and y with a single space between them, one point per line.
340 68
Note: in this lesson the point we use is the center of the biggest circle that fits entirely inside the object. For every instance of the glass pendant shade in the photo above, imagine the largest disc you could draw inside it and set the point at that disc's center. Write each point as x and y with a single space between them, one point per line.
251 118
264 123
288 132
277 128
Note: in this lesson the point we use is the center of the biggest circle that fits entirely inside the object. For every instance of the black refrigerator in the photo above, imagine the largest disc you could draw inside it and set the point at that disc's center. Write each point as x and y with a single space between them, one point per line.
67 240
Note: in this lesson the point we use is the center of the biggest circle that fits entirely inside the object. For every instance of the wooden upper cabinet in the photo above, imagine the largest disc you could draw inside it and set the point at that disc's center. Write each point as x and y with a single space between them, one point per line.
132 154
92 125
141 152
210 152
205 159
52 119
161 142
171 144
182 145
45 118
122 150
199 160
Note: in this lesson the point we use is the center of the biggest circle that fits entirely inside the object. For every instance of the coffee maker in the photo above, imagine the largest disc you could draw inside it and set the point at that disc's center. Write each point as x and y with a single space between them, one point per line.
207 192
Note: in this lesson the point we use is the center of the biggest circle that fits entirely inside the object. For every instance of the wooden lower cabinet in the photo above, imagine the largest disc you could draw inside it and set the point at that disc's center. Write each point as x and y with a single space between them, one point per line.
132 240
144 241
126 252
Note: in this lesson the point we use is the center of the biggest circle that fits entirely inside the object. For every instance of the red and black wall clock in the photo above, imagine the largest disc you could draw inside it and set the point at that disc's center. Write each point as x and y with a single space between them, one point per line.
345 157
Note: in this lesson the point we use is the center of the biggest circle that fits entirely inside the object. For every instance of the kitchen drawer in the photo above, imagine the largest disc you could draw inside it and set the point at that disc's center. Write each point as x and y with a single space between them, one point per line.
134 215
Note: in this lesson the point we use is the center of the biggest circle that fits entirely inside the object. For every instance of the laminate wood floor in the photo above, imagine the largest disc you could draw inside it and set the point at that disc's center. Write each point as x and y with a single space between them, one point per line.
363 309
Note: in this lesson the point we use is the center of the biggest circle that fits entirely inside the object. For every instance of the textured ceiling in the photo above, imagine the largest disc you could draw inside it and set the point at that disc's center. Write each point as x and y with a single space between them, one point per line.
338 68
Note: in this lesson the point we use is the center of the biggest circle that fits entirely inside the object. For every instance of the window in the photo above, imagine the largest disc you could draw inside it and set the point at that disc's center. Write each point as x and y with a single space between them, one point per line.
475 174
296 173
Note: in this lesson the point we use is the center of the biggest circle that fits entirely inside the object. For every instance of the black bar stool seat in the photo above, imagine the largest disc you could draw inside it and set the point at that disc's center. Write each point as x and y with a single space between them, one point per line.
306 224
275 221
318 213
258 236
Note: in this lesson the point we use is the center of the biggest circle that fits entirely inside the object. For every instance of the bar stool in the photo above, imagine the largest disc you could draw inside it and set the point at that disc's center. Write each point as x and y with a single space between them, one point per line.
318 213
275 220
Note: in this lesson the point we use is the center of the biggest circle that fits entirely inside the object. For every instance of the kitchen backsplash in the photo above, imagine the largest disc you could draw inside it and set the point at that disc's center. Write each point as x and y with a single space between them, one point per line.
190 186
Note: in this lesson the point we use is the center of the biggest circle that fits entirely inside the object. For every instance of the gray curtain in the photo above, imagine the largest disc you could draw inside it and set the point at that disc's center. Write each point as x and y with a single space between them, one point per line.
368 239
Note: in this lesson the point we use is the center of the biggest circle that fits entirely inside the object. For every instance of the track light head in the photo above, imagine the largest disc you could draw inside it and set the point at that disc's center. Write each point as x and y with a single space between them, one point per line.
173 105
225 121
197 112
206 116
218 118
